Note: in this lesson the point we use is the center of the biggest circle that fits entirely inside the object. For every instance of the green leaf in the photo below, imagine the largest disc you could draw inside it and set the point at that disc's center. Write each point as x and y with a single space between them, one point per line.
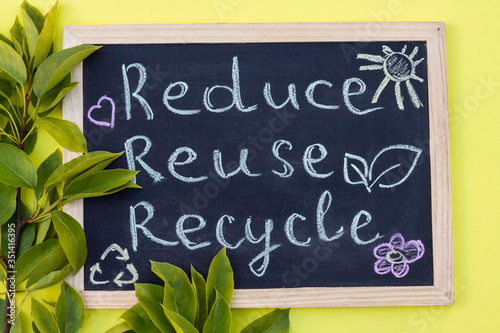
16 168
35 15
79 165
220 277
31 32
39 260
35 329
47 34
70 311
55 261
30 142
50 279
7 41
181 291
98 182
179 323
123 327
276 321
6 90
72 238
150 297
129 184
139 320
66 133
2 306
98 167
12 66
43 227
45 169
219 319
25 213
17 327
7 202
26 239
44 319
17 33
53 69
54 96
200 287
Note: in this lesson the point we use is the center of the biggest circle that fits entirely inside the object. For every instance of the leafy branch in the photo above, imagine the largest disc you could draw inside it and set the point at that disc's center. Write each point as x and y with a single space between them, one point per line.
193 306
40 244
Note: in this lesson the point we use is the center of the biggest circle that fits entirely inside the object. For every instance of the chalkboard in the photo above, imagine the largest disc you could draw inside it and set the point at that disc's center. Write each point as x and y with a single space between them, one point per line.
319 161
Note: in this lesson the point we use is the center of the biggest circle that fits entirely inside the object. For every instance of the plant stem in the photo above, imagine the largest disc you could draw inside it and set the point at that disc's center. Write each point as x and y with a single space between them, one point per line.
11 274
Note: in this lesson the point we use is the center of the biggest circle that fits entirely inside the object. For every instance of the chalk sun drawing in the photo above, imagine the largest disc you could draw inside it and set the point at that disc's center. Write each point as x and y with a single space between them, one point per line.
398 67
396 255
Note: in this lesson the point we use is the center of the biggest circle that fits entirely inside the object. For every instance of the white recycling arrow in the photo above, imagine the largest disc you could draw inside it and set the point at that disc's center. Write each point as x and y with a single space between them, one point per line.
134 278
115 247
93 270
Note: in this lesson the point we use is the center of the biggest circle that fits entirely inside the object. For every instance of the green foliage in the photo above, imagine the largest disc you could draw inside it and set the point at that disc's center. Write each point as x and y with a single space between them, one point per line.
16 168
12 67
180 306
276 321
71 237
58 65
66 133
68 317
70 311
220 279
49 244
8 200
42 317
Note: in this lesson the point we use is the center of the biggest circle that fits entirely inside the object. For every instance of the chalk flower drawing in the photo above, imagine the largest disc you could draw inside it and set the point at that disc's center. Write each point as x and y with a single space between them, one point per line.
356 167
397 67
396 255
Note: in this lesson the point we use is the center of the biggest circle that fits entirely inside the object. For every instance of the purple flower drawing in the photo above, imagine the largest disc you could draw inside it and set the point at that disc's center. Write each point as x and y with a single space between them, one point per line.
396 255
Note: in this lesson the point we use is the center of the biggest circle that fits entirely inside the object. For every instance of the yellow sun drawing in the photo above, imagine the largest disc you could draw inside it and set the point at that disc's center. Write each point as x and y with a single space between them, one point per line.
397 67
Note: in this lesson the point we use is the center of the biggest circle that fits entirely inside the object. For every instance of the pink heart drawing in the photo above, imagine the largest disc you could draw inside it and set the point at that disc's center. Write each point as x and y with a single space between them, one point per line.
98 106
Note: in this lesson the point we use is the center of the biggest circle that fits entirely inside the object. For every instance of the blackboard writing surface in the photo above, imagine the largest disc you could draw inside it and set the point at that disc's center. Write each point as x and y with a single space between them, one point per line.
312 161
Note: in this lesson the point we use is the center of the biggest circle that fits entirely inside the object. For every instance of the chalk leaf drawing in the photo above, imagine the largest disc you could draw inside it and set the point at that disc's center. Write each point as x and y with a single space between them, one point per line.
111 123
357 171
123 256
396 255
398 67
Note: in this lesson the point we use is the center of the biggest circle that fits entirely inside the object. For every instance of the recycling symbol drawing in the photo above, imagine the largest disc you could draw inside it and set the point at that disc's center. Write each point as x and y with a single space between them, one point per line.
122 256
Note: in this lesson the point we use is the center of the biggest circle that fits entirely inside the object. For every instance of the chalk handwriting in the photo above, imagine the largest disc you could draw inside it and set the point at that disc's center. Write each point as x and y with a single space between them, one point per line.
288 167
292 97
140 84
260 262
172 162
176 91
131 159
310 95
309 160
242 167
235 92
142 226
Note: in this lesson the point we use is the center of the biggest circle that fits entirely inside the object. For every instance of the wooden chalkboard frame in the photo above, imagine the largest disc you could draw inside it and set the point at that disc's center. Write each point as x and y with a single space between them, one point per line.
441 293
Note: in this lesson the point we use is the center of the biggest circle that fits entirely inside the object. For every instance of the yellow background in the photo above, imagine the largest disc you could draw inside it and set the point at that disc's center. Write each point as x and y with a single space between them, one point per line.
473 58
